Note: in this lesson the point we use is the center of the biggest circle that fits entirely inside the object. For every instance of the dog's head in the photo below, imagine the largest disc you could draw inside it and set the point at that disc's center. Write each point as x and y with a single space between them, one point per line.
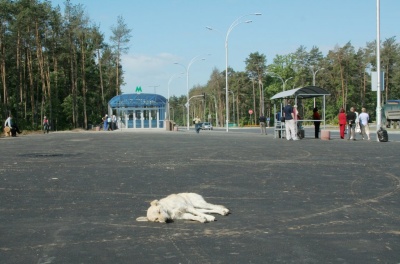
155 213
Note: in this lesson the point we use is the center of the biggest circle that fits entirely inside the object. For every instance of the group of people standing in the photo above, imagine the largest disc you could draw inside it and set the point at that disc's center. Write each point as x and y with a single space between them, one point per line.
355 123
291 117
109 123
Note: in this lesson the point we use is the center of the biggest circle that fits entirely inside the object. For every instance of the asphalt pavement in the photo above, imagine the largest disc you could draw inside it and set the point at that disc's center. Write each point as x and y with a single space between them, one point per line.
73 197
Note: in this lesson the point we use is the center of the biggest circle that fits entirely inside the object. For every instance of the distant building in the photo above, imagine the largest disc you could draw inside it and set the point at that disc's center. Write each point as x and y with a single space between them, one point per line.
139 110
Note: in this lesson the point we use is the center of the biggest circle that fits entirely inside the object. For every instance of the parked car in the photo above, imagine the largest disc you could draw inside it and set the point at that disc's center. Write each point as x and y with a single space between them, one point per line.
207 126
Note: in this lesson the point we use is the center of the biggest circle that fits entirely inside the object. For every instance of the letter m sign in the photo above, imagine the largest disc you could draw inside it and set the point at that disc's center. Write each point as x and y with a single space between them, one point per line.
138 89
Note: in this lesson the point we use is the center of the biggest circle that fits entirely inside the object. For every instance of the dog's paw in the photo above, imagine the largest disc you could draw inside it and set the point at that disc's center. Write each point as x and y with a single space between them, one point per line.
201 220
225 211
210 218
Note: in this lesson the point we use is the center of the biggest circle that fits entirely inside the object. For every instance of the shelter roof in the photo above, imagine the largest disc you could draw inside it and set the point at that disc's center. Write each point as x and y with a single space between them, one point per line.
302 92
138 100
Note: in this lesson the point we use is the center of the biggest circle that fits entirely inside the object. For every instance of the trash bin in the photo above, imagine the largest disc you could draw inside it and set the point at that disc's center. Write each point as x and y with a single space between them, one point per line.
168 125
325 135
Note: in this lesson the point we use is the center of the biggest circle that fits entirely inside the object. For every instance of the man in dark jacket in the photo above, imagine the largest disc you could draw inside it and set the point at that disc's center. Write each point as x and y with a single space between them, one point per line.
351 123
262 124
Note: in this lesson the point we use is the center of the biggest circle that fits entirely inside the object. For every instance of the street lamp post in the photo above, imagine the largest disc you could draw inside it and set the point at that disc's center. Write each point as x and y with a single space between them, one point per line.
216 110
154 86
197 58
233 104
183 114
283 83
378 66
232 26
169 82
262 97
314 74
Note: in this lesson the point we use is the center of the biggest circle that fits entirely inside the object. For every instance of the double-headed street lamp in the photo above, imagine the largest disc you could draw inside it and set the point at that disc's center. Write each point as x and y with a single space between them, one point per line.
232 26
197 58
314 74
284 81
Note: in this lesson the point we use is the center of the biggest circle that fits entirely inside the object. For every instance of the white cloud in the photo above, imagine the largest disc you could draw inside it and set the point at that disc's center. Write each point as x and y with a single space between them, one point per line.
146 70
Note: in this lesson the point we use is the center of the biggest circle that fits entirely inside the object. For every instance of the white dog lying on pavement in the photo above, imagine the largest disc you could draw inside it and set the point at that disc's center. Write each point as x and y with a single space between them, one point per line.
188 206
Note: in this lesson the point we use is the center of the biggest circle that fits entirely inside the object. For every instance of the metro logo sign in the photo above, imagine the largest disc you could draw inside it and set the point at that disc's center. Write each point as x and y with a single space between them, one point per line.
138 89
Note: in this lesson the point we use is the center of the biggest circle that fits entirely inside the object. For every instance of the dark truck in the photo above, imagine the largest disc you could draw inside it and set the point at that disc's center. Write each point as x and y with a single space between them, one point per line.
391 114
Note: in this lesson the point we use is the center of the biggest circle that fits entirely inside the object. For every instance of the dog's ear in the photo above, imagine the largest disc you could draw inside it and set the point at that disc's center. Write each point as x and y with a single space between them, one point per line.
154 203
142 219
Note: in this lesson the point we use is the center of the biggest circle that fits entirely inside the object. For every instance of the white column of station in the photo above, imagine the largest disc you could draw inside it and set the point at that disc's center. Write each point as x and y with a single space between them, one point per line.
142 118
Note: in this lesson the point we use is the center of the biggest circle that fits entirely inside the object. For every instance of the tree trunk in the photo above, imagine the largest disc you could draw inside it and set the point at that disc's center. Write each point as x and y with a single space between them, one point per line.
3 73
31 84
254 102
117 78
101 77
73 79
40 60
83 81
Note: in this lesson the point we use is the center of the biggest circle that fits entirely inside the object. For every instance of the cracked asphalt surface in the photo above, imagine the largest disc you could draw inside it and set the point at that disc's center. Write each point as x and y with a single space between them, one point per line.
73 197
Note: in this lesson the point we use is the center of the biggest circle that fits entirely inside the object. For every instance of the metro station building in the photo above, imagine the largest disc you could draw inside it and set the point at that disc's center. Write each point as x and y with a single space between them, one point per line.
139 110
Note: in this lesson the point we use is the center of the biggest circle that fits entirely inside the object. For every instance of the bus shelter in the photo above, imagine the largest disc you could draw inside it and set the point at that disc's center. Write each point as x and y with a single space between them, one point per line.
297 94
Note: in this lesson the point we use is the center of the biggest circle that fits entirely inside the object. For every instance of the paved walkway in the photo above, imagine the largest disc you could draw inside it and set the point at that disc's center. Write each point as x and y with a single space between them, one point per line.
74 197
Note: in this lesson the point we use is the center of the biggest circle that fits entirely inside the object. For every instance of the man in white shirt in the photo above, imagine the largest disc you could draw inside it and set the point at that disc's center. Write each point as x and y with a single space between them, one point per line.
364 118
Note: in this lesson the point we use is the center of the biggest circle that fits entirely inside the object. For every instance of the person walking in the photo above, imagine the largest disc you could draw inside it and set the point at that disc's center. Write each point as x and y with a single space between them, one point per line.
109 122
295 113
262 124
289 122
317 124
114 122
342 122
364 119
357 127
105 122
46 125
351 122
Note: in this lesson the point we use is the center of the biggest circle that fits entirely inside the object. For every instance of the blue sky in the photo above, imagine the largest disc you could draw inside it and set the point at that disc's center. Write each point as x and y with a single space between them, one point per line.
169 31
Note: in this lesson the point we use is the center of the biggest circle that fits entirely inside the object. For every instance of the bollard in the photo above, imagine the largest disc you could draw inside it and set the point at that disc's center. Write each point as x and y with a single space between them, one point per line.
325 135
